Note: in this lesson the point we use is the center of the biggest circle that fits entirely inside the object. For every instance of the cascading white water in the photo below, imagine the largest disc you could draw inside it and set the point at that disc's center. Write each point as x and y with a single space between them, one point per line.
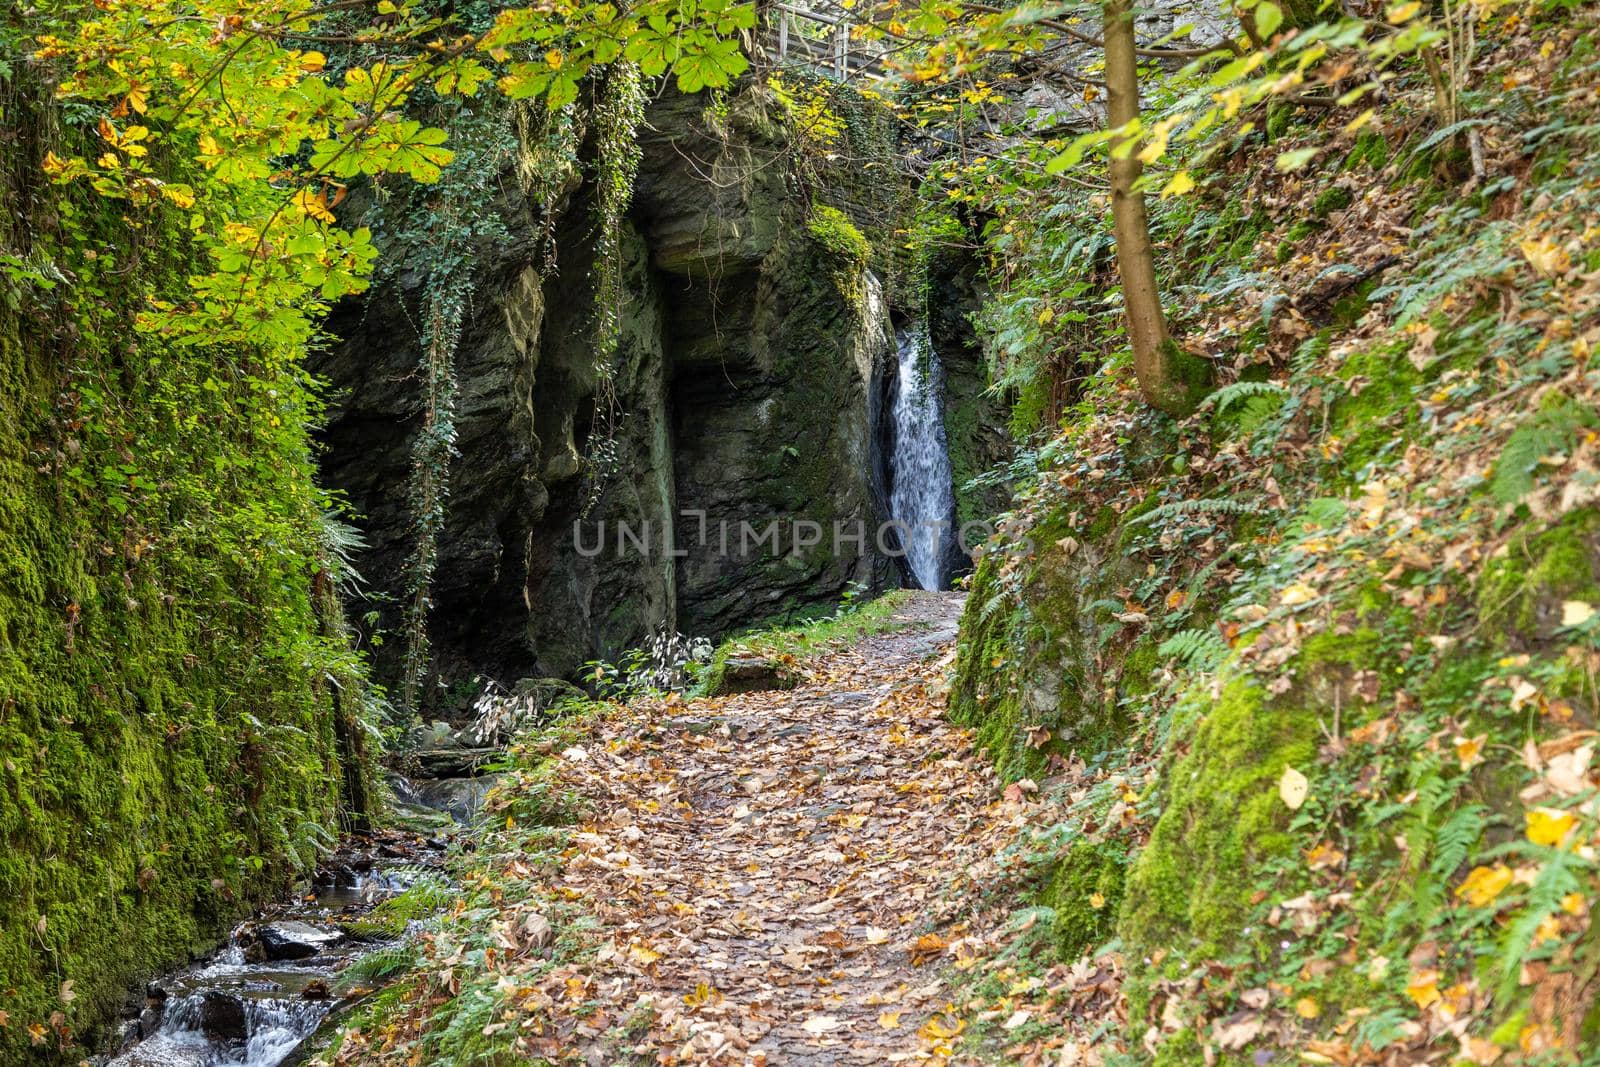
921 496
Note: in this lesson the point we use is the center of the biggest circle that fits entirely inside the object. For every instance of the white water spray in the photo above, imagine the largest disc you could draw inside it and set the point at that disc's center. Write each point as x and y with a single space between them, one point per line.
921 495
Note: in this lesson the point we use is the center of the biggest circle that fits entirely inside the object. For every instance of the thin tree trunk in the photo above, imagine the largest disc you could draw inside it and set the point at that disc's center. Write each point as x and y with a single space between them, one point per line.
1170 379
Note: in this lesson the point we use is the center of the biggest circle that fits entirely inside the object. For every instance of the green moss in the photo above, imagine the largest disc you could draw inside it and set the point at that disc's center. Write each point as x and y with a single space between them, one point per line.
1523 589
1296 233
1182 1049
170 742
1190 890
1370 151
1334 198
833 230
1378 414
1085 892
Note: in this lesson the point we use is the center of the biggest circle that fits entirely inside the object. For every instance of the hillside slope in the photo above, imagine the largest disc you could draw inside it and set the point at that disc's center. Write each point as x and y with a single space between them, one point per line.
1309 679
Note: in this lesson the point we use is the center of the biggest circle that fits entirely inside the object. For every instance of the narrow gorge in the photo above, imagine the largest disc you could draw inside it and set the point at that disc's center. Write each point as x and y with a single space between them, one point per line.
806 533
742 462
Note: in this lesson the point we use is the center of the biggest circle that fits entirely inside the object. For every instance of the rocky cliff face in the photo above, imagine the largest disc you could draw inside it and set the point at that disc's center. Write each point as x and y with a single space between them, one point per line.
583 513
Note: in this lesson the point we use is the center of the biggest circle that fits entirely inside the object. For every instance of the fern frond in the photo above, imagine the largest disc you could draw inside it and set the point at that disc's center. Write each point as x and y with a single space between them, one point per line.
1224 398
1195 650
1197 507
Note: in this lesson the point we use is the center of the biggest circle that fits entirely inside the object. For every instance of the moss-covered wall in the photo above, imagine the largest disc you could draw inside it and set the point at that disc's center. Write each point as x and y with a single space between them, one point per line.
170 655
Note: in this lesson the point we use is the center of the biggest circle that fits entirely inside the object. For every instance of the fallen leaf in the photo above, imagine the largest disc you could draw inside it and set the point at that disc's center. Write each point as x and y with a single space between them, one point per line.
1297 594
1423 988
1549 826
1483 884
889 1020
1469 750
821 1024
1293 788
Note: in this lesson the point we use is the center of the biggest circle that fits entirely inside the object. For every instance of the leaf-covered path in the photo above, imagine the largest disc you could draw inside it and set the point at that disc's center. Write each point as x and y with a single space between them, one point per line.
776 875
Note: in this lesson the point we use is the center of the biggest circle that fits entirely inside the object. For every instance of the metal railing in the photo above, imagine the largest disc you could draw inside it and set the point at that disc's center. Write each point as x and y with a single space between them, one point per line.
798 36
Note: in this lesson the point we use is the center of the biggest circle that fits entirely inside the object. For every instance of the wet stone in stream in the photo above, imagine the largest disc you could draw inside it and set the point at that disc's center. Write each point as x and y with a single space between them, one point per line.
257 1001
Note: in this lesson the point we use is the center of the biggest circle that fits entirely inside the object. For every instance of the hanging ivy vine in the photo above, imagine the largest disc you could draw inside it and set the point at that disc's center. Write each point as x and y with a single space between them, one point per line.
437 232
617 114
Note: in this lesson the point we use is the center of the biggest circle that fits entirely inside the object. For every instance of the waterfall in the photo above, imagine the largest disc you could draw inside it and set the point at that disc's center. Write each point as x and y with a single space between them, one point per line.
921 496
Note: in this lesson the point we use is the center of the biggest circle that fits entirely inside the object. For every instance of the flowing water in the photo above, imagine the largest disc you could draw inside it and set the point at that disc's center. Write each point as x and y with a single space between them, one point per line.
921 494
259 999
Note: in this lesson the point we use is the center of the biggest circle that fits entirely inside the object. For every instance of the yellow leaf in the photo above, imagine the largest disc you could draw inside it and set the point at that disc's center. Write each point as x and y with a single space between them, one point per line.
1483 884
1424 989
889 1020
1297 594
1360 120
1469 750
1576 612
1549 929
1307 1008
703 994
315 206
311 62
1047 316
553 59
1399 13
1177 185
1293 788
1550 826
1545 256
643 955
1097 901
942 1027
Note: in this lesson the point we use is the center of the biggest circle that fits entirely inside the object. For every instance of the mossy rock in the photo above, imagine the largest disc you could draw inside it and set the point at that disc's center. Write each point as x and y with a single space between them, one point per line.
1223 825
1522 590
1085 891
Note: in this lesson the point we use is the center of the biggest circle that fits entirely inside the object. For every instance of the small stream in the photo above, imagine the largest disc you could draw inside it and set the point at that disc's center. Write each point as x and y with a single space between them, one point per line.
259 999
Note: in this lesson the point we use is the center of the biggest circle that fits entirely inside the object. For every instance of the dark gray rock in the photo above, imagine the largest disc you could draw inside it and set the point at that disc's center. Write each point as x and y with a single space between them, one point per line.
752 675
223 1017
458 797
292 939
745 389
456 762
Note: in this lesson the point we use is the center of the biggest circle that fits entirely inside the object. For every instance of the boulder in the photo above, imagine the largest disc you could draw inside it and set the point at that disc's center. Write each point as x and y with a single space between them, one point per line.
295 940
223 1018
455 762
751 675
459 797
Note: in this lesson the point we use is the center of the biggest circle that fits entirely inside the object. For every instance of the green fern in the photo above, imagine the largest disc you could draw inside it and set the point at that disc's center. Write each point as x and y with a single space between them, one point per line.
1454 840
1551 429
1195 650
1196 507
377 968
1224 398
